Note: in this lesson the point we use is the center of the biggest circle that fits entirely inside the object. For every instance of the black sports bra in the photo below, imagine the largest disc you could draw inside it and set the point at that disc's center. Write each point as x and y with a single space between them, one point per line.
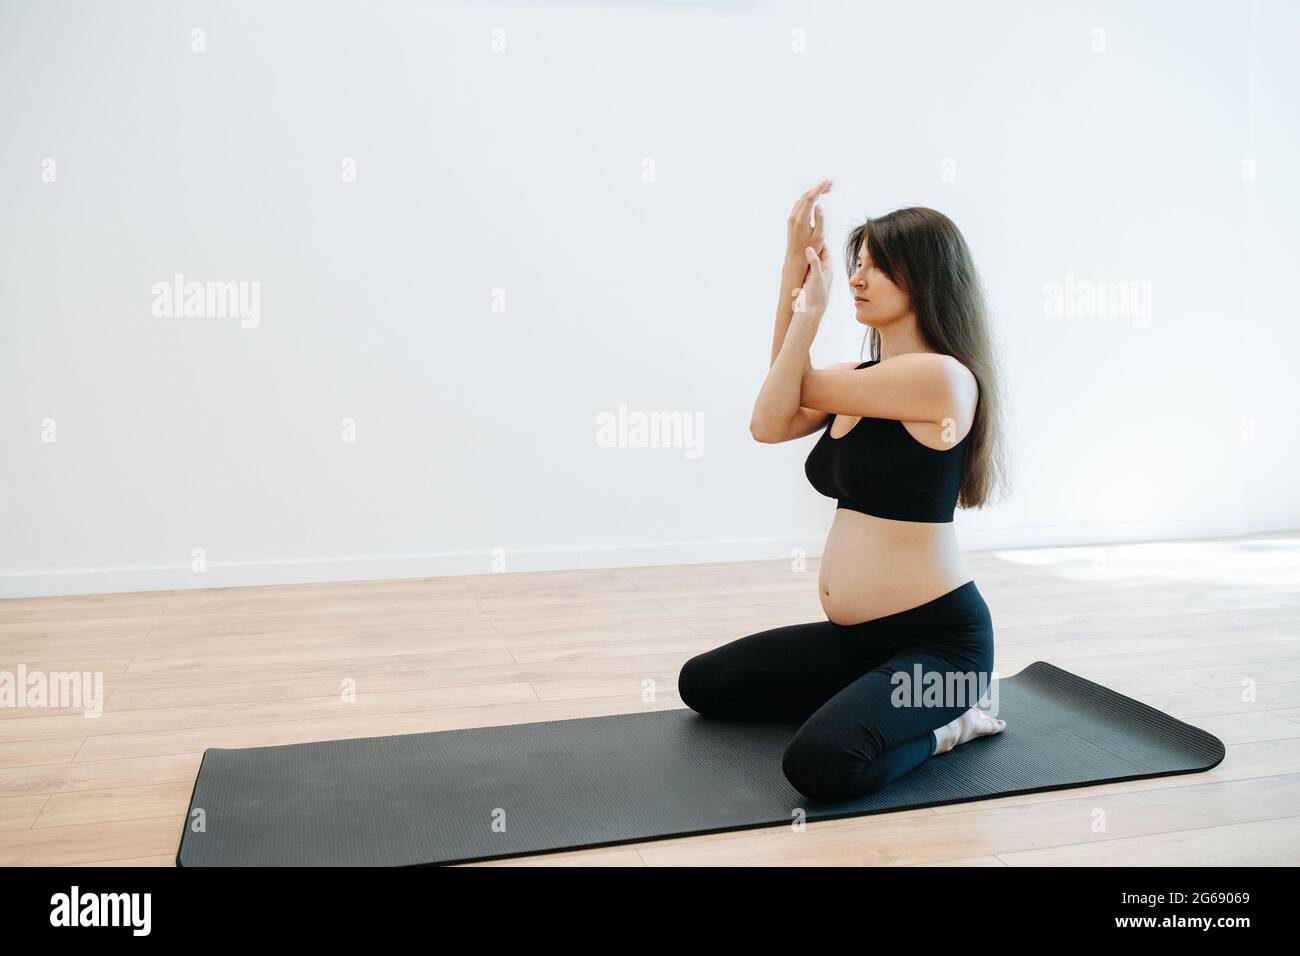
879 469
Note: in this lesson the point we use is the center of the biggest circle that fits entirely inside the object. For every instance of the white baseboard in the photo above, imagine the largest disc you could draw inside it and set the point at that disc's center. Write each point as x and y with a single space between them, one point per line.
1113 532
254 573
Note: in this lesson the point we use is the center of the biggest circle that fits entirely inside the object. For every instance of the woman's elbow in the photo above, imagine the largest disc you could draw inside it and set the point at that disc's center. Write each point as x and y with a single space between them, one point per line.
761 433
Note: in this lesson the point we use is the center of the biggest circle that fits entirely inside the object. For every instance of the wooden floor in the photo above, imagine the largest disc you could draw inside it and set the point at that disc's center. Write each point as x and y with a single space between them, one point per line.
1188 627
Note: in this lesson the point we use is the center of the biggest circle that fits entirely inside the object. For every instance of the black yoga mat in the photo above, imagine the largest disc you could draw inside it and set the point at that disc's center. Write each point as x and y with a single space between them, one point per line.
487 792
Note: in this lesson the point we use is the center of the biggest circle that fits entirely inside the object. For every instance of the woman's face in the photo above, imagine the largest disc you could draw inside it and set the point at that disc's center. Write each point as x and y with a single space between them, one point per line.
877 301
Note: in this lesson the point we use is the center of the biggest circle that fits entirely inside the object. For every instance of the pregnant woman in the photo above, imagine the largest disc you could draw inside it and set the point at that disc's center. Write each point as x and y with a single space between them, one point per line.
891 677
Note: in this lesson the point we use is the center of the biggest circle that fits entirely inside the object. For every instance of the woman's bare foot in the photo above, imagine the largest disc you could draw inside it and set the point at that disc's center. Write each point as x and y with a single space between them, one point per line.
974 723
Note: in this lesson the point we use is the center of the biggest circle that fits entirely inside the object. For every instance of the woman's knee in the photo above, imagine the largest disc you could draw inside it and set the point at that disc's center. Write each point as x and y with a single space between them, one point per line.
694 682
822 770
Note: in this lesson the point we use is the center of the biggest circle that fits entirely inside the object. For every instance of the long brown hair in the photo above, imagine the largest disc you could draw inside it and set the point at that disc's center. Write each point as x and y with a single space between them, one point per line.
925 255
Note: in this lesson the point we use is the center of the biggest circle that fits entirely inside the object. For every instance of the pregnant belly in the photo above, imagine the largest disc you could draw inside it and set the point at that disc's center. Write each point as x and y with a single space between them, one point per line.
876 566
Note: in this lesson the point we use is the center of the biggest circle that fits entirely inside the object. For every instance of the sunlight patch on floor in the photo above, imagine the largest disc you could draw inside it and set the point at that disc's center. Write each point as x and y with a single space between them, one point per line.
1261 565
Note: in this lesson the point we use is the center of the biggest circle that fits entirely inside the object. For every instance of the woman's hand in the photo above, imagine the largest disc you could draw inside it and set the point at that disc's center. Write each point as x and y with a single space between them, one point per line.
810 299
805 226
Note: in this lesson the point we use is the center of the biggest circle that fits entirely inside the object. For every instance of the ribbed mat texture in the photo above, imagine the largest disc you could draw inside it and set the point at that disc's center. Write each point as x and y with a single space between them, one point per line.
488 792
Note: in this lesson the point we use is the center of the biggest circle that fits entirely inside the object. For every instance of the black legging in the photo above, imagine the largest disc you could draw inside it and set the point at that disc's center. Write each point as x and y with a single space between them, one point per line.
862 730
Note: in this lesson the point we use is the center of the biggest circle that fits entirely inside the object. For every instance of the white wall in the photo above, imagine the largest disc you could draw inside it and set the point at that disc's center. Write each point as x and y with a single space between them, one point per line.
523 170
1270 326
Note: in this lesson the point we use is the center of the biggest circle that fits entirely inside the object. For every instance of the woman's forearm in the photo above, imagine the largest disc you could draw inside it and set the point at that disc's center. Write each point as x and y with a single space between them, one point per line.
793 271
778 399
